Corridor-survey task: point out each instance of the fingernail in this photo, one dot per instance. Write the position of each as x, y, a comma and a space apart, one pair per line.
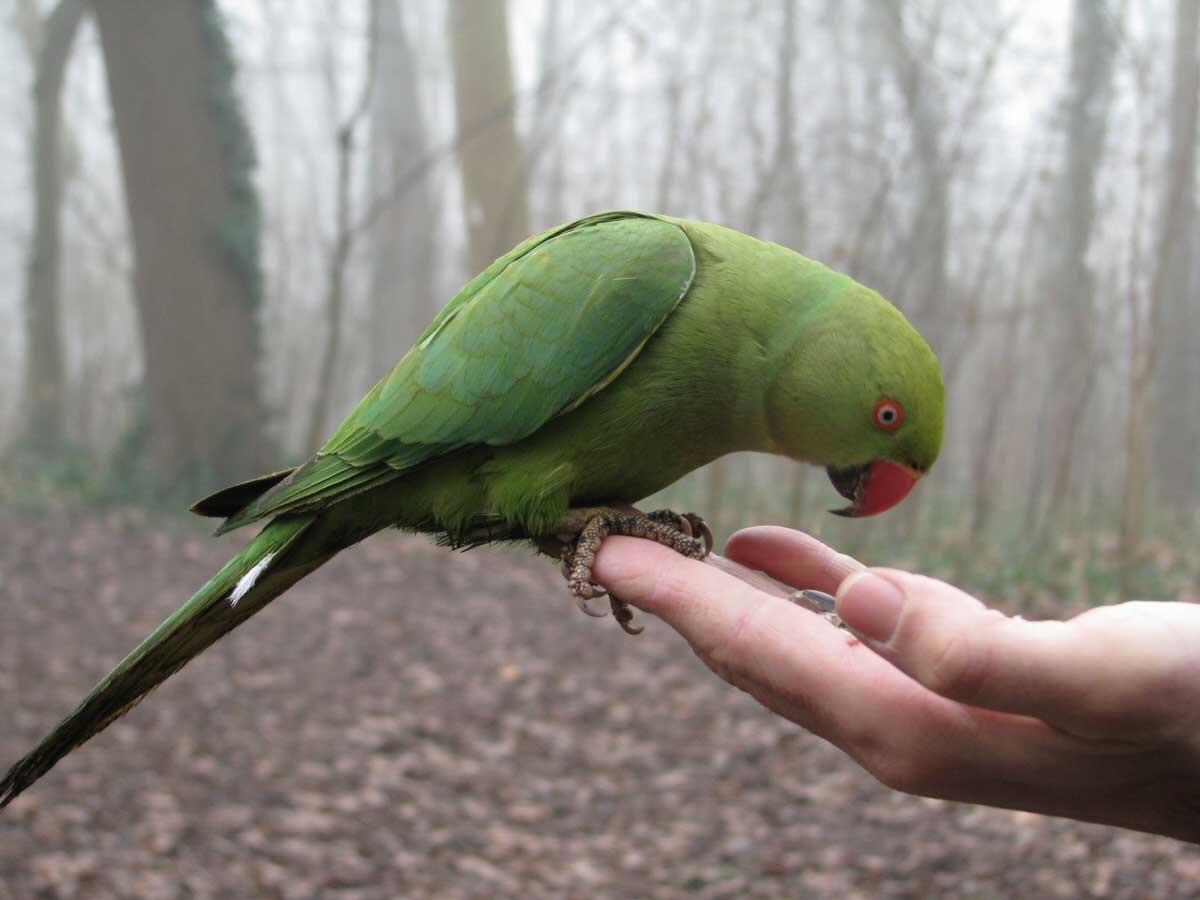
870, 606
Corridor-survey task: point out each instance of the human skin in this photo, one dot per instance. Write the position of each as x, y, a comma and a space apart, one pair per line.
1095, 718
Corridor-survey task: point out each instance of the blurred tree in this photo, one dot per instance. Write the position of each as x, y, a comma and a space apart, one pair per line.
346, 231
1067, 290
920, 287
49, 44
664, 192
1175, 361
402, 251
494, 193
1163, 318
550, 116
186, 161
778, 206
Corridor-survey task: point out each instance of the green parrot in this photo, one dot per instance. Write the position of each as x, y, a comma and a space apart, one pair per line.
589, 367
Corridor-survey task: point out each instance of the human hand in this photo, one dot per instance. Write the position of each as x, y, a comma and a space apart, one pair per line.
1096, 718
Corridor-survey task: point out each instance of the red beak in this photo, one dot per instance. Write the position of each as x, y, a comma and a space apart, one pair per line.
872, 488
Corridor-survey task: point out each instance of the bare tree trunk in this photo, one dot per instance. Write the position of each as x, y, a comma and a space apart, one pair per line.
670, 160
1161, 345
1002, 376
1068, 306
1141, 316
778, 200
45, 368
401, 245
344, 232
186, 159
920, 287
494, 195
553, 181
1175, 362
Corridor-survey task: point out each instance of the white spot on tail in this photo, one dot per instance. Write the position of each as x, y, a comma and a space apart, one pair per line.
246, 582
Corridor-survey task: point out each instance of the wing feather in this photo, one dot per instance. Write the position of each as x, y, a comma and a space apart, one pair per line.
533, 336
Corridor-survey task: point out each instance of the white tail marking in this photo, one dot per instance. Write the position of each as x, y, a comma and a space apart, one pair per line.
246, 582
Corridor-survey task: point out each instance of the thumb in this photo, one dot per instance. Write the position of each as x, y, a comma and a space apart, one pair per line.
955, 646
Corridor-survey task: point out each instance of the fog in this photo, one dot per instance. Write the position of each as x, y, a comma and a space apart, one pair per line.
1018, 178
222, 222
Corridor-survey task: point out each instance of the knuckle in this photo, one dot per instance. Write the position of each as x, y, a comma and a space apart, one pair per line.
898, 770
837, 566
886, 751
955, 667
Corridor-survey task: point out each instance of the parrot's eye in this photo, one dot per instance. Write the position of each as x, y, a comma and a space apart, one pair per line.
889, 414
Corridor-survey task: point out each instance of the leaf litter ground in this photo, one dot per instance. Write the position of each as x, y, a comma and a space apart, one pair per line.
411, 722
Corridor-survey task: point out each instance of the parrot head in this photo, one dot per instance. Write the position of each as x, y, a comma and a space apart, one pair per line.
860, 392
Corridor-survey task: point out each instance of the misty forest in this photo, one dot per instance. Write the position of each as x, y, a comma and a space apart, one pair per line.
223, 222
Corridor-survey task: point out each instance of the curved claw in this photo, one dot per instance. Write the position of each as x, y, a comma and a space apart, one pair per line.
624, 616
630, 629
705, 532
582, 603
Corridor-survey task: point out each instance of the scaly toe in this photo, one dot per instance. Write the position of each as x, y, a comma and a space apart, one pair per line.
688, 534
672, 519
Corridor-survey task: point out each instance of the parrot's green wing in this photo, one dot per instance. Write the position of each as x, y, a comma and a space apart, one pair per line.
537, 333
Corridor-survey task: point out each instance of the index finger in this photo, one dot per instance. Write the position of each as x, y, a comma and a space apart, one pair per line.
793, 557
754, 639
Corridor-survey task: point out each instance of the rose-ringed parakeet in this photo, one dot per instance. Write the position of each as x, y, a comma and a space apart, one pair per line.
586, 369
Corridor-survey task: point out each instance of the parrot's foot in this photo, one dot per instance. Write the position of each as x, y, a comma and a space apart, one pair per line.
675, 530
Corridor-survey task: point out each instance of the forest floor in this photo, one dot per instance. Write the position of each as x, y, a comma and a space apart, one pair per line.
411, 722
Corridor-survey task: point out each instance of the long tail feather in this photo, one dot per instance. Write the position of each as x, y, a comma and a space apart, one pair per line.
260, 572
